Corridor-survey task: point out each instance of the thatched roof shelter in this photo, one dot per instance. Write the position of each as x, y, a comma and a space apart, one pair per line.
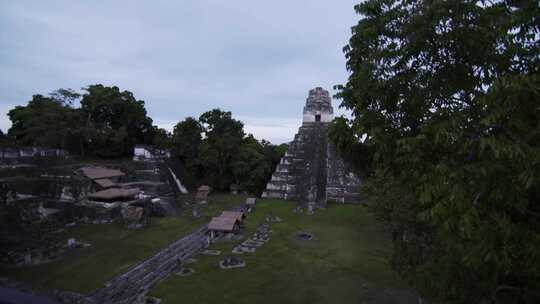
114, 194
224, 224
105, 183
101, 172
240, 216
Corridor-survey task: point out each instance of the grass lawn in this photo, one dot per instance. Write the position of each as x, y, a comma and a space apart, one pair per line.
114, 249
349, 250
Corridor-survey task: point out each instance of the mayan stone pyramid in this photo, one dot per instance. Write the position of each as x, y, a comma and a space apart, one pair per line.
311, 172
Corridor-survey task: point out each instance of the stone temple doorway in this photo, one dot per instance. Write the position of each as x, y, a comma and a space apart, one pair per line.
318, 117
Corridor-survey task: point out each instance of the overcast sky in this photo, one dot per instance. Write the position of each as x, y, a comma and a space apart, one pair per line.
255, 58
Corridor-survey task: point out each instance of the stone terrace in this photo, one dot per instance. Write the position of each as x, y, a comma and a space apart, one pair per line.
131, 286
312, 171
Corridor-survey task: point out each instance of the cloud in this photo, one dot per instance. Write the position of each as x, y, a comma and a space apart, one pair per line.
257, 59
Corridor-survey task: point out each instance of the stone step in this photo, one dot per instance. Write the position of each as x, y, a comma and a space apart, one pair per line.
310, 163
137, 280
274, 194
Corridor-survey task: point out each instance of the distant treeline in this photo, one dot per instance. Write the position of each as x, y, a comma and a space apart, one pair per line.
106, 122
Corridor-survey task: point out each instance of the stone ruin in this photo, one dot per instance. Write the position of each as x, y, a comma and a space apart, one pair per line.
232, 262
150, 153
12, 154
134, 284
40, 201
312, 172
304, 236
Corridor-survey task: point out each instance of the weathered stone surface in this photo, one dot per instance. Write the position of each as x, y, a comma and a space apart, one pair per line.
318, 106
311, 171
211, 252
243, 249
304, 236
252, 243
185, 272
133, 284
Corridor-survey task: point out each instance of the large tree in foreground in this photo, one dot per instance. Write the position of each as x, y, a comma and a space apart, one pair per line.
445, 97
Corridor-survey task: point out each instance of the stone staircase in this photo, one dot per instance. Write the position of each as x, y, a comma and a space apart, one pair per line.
131, 286
312, 172
341, 185
302, 170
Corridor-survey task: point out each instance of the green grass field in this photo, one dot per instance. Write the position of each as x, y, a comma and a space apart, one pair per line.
350, 250
114, 249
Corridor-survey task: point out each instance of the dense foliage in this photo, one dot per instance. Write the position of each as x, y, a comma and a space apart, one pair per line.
215, 150
108, 122
114, 121
187, 140
45, 121
446, 124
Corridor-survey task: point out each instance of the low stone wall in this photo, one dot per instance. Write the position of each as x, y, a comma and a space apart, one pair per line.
131, 286
9, 153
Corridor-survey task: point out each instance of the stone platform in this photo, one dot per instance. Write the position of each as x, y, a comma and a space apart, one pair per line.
132, 286
311, 170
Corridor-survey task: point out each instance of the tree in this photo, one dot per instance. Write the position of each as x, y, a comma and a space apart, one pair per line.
108, 123
186, 145
43, 122
3, 137
66, 97
224, 155
114, 121
187, 139
224, 136
273, 153
4, 140
444, 96
162, 138
250, 166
